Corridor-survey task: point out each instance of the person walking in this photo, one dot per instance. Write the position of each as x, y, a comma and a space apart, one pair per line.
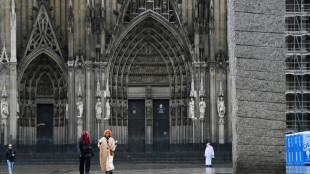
209, 154
107, 146
10, 157
85, 152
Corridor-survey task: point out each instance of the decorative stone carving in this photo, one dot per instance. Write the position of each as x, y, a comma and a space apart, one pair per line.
192, 109
43, 34
108, 110
202, 109
98, 109
4, 108
142, 3
80, 107
221, 109
4, 56
134, 6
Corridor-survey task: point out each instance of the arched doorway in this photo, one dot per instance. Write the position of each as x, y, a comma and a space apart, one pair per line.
149, 62
43, 97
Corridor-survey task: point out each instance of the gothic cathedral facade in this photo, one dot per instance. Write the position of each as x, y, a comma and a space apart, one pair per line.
155, 72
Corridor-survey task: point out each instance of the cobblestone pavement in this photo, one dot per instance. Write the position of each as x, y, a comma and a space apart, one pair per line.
138, 169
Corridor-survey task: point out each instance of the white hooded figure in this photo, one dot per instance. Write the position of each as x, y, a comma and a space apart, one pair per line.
108, 109
209, 154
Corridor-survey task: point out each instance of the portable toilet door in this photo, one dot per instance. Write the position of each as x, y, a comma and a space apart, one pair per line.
295, 149
292, 149
287, 147
306, 148
288, 150
299, 148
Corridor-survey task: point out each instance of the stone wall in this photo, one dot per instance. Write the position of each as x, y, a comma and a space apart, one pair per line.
257, 63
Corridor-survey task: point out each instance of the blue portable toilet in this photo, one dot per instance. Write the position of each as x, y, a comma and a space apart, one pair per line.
295, 149
305, 149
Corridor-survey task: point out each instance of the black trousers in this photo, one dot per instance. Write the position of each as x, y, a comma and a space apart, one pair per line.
86, 161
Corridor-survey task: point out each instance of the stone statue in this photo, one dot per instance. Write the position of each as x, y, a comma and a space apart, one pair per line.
142, 3
67, 110
80, 107
4, 108
221, 109
108, 110
192, 109
134, 6
98, 109
165, 6
157, 2
17, 110
202, 108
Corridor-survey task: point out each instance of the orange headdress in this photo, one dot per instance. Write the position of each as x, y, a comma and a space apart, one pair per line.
106, 131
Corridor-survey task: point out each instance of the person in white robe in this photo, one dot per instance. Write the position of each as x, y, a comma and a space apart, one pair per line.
209, 154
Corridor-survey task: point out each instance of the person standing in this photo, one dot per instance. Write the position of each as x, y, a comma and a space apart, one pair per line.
85, 152
10, 157
209, 154
107, 146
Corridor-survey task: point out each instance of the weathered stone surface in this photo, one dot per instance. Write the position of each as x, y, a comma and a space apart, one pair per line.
257, 66
274, 40
261, 65
262, 105
259, 123
256, 52
260, 85
260, 6
251, 95
259, 22
277, 77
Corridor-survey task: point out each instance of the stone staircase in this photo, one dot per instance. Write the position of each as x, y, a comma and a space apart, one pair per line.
223, 154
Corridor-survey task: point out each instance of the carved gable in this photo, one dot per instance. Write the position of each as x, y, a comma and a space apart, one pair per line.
43, 34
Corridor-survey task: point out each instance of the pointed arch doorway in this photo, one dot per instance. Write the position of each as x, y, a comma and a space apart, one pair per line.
42, 96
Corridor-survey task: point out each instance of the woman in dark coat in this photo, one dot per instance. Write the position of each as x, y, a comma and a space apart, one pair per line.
85, 152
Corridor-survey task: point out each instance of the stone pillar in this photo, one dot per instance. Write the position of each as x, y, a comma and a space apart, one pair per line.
89, 98
229, 124
13, 78
13, 102
149, 119
213, 113
71, 103
258, 85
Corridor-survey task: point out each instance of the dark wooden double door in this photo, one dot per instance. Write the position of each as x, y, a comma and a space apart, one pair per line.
136, 125
44, 128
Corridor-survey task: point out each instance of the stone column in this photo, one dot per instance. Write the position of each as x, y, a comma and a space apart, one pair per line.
4, 113
149, 119
89, 98
213, 113
13, 77
13, 102
71, 103
258, 85
229, 124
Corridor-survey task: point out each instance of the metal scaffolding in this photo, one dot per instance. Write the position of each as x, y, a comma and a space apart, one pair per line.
297, 65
